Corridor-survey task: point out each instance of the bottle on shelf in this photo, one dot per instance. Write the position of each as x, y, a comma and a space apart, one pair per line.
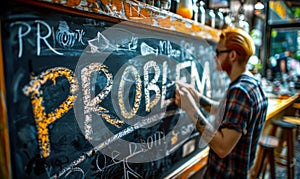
201, 12
219, 20
165, 4
212, 18
242, 23
196, 11
228, 20
185, 9
157, 3
150, 2
174, 6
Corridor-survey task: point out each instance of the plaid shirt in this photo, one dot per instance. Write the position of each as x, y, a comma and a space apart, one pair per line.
245, 111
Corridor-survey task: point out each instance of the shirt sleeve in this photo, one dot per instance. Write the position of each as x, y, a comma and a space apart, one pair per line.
237, 110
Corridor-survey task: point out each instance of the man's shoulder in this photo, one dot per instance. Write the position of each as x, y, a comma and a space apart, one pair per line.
245, 82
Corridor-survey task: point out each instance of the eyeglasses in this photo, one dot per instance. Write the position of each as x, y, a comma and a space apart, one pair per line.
222, 51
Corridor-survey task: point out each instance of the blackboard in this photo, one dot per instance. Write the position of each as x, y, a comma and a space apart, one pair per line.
92, 98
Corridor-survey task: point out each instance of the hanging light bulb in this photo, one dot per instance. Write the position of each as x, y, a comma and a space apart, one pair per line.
259, 5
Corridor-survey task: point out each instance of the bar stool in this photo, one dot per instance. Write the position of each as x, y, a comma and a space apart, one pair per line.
296, 121
267, 144
289, 137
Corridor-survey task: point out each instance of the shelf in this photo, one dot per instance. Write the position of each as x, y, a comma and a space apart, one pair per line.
135, 11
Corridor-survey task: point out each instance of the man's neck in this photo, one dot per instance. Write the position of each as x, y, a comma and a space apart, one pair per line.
237, 72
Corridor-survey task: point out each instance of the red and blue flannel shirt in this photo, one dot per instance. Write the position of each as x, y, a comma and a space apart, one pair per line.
245, 111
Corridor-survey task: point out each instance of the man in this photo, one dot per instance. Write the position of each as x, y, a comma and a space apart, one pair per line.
234, 141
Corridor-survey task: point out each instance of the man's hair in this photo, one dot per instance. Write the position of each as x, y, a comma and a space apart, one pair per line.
238, 40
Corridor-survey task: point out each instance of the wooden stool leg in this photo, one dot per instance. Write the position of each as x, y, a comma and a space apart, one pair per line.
258, 162
289, 137
273, 130
298, 133
282, 139
267, 144
272, 164
290, 154
263, 164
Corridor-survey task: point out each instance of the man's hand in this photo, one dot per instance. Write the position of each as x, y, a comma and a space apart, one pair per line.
180, 85
205, 102
185, 100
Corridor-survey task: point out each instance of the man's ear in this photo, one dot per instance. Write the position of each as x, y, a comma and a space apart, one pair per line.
233, 55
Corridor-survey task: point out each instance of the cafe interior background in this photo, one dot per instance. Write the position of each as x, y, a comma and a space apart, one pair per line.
274, 26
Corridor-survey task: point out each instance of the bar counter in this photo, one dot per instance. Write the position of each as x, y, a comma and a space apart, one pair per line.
277, 108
